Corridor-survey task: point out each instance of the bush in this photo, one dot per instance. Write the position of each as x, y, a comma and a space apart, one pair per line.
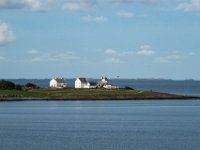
128, 88
6, 85
31, 85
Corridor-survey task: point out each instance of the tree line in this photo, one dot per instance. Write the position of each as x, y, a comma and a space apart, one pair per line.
8, 85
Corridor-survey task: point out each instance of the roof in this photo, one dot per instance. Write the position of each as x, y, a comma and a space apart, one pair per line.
60, 80
83, 80
104, 78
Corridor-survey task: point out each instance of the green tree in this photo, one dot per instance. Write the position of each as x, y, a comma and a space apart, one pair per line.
6, 85
30, 85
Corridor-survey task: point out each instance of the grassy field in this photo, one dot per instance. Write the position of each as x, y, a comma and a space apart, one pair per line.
84, 94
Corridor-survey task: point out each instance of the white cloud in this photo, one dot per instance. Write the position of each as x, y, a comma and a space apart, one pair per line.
145, 47
2, 58
192, 53
78, 5
100, 19
54, 57
123, 1
89, 18
37, 5
10, 4
34, 5
135, 1
6, 34
43, 5
193, 5
145, 50
125, 14
33, 52
113, 60
110, 52
114, 56
169, 58
68, 5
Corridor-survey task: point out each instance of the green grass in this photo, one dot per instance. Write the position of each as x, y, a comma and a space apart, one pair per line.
85, 94
82, 94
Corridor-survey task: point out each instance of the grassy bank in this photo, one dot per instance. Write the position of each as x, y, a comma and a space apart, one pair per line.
84, 94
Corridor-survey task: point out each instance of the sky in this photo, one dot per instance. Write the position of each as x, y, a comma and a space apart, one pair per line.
95, 38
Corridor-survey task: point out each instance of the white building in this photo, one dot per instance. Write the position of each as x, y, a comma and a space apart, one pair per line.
104, 80
82, 83
104, 83
58, 83
109, 86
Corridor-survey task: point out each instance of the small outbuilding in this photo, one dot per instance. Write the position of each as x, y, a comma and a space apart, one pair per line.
58, 83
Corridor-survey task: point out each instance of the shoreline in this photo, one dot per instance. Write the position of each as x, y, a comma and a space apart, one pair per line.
10, 99
87, 94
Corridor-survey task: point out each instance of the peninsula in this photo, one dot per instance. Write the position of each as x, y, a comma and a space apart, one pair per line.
86, 94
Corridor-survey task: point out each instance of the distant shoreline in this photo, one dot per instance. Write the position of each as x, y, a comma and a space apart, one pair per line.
96, 99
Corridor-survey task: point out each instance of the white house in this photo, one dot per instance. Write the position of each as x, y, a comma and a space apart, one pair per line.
58, 83
82, 83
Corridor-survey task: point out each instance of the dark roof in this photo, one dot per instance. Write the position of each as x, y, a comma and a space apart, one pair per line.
83, 80
60, 80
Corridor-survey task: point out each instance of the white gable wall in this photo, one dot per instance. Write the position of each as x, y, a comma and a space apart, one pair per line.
53, 83
79, 84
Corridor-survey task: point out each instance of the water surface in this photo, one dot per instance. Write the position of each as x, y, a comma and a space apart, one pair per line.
100, 125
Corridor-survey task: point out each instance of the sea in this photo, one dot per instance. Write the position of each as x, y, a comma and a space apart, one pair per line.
105, 125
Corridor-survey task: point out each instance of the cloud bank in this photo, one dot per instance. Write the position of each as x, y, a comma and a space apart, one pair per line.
44, 5
78, 5
34, 5
83, 5
193, 5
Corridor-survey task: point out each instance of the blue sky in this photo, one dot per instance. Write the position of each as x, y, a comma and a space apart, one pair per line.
94, 38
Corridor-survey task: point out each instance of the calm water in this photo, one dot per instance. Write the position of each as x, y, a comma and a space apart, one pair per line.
100, 125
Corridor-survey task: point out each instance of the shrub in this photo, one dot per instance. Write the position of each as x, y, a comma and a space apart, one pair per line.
31, 85
128, 88
6, 85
